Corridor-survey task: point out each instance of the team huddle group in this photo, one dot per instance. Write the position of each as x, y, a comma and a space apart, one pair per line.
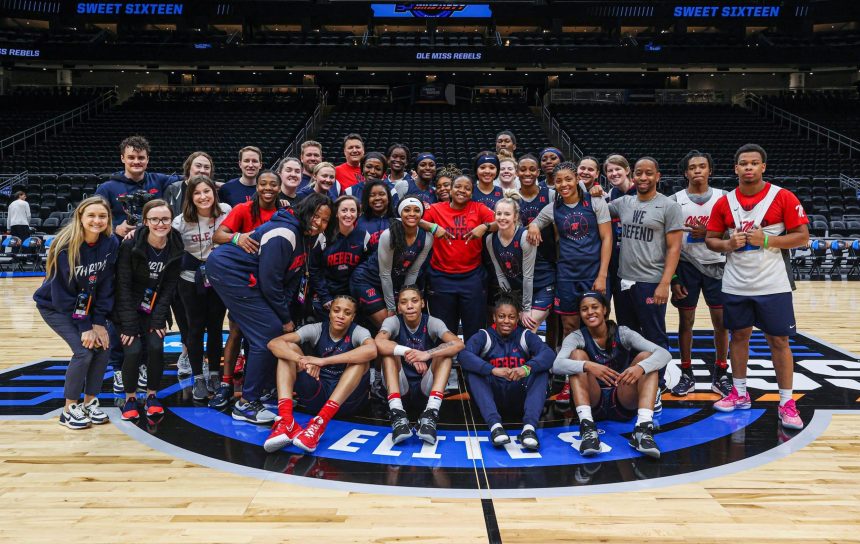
342, 279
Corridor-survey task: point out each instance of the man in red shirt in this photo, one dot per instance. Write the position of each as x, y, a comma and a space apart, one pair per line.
349, 173
761, 220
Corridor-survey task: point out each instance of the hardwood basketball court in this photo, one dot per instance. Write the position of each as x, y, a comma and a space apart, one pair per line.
107, 484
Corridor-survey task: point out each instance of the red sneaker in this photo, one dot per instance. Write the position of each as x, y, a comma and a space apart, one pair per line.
282, 434
309, 439
563, 396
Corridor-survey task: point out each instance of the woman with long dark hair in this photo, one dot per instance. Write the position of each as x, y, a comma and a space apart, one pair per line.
377, 210
202, 214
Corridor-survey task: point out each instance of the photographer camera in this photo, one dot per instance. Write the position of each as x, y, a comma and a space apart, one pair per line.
120, 188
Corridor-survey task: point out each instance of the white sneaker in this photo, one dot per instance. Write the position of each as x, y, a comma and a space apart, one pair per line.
183, 365
141, 378
94, 411
75, 417
117, 382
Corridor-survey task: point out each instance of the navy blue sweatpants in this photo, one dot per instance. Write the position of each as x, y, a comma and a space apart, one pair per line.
259, 325
456, 298
526, 396
636, 310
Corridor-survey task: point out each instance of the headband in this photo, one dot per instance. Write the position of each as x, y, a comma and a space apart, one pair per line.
422, 156
484, 159
592, 294
410, 201
552, 150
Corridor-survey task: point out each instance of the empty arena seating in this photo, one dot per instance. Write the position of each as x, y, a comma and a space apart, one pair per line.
25, 107
455, 134
839, 111
668, 131
175, 127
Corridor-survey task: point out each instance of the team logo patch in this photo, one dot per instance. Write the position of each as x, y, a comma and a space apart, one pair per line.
357, 453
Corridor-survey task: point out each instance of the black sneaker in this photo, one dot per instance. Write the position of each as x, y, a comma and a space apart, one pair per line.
499, 437
589, 439
642, 440
400, 428
721, 384
529, 439
686, 384
223, 396
427, 425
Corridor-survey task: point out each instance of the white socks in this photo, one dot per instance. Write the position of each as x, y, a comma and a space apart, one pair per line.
784, 396
584, 412
644, 415
740, 385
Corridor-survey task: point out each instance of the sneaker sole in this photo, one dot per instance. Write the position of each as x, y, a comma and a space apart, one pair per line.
401, 438
100, 421
219, 405
135, 418
427, 438
652, 453
240, 417
589, 452
683, 393
302, 447
792, 426
534, 447
73, 426
733, 408
500, 444
277, 443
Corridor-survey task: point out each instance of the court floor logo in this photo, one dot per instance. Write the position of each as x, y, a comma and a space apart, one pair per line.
358, 454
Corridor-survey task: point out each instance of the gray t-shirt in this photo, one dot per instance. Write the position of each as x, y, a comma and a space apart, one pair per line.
310, 334
436, 328
644, 226
631, 340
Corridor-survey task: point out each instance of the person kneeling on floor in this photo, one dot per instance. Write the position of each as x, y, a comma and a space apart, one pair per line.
333, 378
508, 366
613, 373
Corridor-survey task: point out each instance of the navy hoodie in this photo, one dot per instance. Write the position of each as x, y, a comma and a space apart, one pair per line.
119, 185
331, 263
94, 274
487, 349
275, 269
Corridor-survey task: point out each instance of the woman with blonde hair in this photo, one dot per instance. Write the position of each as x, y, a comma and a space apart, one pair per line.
75, 300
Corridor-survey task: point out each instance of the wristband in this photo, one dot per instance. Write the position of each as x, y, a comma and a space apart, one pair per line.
400, 351
765, 241
235, 239
434, 228
528, 370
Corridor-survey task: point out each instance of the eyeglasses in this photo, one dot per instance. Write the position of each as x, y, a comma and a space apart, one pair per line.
159, 220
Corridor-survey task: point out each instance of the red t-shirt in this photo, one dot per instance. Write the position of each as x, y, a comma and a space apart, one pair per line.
347, 175
784, 209
457, 256
240, 220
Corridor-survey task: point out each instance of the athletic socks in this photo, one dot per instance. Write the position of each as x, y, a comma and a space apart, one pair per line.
584, 412
285, 409
740, 384
722, 365
644, 415
394, 402
687, 367
435, 400
784, 396
227, 379
329, 410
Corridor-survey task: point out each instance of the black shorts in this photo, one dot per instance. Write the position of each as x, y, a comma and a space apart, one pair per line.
609, 408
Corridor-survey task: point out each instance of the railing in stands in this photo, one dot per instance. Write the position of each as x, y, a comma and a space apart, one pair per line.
8, 181
42, 131
306, 133
801, 126
848, 181
557, 134
630, 96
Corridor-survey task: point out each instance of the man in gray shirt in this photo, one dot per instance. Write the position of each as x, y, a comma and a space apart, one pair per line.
651, 230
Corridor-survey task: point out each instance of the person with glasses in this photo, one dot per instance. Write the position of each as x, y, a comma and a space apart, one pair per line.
148, 266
